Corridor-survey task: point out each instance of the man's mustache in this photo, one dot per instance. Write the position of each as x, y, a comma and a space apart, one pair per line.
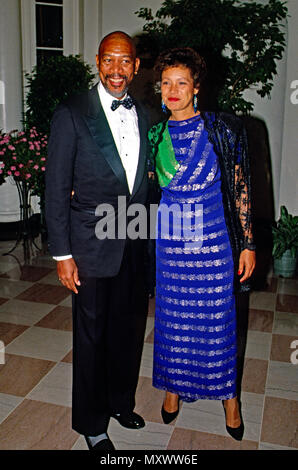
124, 77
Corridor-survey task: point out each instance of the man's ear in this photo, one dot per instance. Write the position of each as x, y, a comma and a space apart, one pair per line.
97, 61
137, 65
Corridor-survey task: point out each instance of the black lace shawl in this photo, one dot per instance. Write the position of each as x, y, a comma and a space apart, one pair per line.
228, 136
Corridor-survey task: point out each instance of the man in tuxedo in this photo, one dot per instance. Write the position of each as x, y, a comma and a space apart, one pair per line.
97, 156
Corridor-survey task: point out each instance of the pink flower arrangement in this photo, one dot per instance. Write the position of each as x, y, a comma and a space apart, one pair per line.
23, 156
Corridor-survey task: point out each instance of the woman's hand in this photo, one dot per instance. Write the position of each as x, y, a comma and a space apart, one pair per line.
247, 263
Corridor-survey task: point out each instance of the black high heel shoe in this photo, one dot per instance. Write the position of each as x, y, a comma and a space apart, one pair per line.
169, 417
236, 433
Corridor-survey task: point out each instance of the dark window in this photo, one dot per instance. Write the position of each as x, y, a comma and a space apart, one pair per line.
49, 29
43, 55
49, 26
57, 2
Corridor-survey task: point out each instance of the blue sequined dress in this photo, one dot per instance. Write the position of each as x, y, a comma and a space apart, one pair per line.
195, 323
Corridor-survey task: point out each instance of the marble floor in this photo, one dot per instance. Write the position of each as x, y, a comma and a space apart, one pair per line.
36, 367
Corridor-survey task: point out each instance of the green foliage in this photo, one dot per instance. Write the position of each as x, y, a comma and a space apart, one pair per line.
285, 234
49, 84
241, 42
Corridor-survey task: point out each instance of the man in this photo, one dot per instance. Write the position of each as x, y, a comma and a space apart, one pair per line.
97, 153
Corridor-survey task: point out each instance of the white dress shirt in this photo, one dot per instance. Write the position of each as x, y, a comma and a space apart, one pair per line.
125, 130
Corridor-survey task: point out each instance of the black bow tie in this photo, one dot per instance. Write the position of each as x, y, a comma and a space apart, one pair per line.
127, 103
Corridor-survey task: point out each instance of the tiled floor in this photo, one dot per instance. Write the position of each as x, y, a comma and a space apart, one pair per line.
35, 375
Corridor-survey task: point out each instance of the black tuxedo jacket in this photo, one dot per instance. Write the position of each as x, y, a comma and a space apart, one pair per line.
83, 157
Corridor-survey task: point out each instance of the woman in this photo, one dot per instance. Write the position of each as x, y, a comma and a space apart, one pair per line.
204, 243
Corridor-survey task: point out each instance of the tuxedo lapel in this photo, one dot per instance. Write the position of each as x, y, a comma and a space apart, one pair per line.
142, 153
100, 130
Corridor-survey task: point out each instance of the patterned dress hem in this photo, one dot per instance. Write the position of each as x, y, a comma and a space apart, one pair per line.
194, 397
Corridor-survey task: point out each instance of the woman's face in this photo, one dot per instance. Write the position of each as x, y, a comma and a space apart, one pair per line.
177, 91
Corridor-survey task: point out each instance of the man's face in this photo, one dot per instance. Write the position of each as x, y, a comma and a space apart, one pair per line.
116, 63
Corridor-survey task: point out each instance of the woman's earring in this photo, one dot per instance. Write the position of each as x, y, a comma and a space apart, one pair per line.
195, 103
163, 106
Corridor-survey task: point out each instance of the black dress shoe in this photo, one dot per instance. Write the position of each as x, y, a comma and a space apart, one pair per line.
169, 417
129, 420
105, 445
236, 433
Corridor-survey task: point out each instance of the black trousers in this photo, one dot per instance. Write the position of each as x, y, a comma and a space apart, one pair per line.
109, 319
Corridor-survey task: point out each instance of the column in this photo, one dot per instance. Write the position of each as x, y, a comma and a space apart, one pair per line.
92, 30
11, 105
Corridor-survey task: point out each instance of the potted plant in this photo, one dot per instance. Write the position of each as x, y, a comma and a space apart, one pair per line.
49, 84
285, 244
23, 156
22, 161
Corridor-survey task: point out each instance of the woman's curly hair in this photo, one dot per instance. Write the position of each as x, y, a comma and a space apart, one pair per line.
185, 56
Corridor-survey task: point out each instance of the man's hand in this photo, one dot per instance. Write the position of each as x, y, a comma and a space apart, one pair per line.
247, 263
68, 274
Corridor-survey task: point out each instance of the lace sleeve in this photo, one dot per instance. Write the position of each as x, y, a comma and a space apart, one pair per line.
243, 190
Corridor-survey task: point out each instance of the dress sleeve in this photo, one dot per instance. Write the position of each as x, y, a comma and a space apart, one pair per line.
243, 190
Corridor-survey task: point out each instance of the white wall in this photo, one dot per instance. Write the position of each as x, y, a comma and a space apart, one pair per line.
288, 194
11, 63
119, 15
271, 112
